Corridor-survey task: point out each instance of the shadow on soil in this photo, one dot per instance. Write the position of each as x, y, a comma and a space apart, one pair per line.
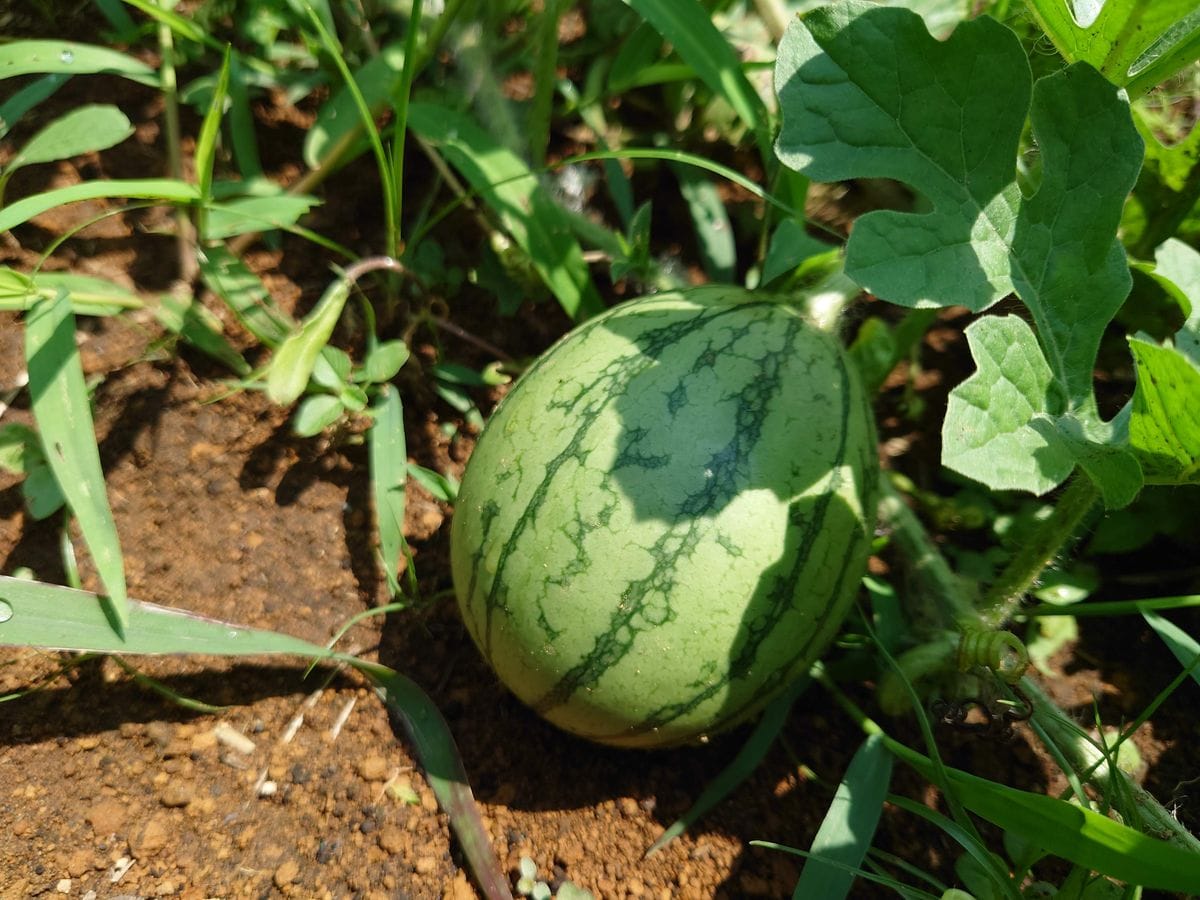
69, 712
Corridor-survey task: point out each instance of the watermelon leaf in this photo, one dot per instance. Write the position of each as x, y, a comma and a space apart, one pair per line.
865, 91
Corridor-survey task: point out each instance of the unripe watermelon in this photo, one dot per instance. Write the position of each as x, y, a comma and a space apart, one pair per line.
666, 519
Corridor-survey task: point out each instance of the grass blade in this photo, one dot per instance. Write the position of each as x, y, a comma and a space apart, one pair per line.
244, 293
742, 766
525, 209
163, 190
689, 28
435, 748
82, 130
197, 326
714, 232
89, 296
389, 456
848, 828
64, 418
1078, 835
26, 99
1182, 644
58, 618
206, 143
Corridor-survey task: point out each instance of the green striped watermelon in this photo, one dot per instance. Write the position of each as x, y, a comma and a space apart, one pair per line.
667, 517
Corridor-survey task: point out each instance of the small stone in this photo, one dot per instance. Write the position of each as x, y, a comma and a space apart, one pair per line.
629, 807
88, 742
230, 737
286, 874
106, 817
177, 794
64, 886
391, 839
373, 768
268, 789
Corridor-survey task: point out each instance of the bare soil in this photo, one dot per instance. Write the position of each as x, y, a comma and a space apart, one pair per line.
108, 789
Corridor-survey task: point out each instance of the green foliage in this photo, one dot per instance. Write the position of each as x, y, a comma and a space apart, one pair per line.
1020, 174
866, 91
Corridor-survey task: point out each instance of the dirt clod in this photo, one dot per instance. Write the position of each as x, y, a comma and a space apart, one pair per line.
286, 874
107, 817
177, 794
373, 768
152, 837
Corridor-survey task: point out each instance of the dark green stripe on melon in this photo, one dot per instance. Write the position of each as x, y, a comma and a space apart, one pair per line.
664, 521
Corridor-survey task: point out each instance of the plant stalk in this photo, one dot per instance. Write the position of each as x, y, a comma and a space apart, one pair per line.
188, 265
1086, 759
939, 601
938, 597
1005, 595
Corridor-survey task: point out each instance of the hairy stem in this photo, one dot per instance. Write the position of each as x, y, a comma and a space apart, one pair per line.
1005, 596
939, 601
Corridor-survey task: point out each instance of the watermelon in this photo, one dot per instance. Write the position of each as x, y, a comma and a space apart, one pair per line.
666, 519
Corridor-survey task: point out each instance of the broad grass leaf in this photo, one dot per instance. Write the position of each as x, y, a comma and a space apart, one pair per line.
689, 28
389, 469
338, 118
63, 414
82, 130
846, 832
29, 96
89, 296
244, 293
252, 214
163, 190
714, 231
58, 618
1075, 834
1182, 645
200, 328
70, 58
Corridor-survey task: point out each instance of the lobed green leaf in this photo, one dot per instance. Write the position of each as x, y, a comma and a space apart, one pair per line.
865, 91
